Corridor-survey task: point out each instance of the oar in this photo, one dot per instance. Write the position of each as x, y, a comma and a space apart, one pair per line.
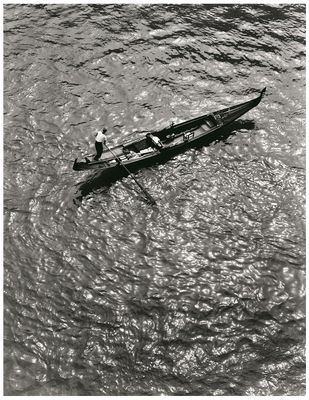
148, 195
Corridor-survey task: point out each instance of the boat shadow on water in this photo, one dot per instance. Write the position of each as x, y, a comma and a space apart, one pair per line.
102, 181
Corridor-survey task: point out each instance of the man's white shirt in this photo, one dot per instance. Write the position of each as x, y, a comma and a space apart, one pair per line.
100, 137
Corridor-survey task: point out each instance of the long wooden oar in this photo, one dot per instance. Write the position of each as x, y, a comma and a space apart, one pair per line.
148, 195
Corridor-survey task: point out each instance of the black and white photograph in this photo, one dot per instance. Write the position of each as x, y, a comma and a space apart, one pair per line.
154, 176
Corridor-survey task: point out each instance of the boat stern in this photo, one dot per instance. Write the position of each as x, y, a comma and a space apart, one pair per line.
77, 165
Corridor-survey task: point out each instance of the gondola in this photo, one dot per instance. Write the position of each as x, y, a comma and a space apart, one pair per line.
165, 143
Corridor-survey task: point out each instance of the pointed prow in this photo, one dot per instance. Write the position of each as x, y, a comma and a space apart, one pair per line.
258, 99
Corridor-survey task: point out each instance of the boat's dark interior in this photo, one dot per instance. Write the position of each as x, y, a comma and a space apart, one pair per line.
136, 147
168, 135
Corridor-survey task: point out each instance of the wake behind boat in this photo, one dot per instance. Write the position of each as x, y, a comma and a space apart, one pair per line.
167, 142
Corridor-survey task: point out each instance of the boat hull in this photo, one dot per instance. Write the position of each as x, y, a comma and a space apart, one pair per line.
174, 140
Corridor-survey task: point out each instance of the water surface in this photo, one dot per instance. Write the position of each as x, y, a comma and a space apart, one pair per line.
105, 295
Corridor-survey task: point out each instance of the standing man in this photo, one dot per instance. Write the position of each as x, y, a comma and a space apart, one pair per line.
100, 139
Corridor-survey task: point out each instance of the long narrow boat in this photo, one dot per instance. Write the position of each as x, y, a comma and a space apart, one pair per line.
162, 144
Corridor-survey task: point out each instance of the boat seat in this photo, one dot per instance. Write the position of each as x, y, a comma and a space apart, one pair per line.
211, 121
147, 151
187, 136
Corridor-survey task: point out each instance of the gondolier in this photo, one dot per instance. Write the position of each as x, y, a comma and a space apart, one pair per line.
100, 139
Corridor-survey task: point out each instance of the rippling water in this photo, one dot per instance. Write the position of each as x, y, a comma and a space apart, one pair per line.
203, 295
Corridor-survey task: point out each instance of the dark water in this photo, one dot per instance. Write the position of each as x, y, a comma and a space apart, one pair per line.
203, 295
